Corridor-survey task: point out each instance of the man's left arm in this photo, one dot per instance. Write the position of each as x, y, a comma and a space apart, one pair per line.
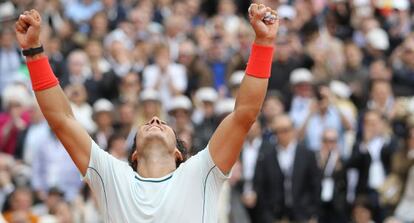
227, 140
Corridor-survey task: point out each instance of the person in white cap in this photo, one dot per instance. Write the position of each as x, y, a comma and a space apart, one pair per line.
204, 128
301, 82
159, 185
103, 117
180, 112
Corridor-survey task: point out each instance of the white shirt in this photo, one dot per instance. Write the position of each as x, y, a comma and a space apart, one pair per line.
286, 157
189, 194
249, 155
175, 72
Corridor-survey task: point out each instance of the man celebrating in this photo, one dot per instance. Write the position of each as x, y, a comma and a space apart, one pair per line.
157, 188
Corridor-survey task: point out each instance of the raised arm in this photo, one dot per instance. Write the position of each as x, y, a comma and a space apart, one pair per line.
226, 142
52, 101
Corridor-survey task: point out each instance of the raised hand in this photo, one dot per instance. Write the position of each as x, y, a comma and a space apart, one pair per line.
265, 23
28, 29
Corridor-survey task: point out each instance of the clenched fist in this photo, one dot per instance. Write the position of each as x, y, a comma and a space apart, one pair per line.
265, 23
28, 29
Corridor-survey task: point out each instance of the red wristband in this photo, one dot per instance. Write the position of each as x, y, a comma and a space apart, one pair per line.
41, 74
260, 61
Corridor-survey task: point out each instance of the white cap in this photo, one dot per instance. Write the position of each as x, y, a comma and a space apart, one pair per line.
16, 93
286, 12
7, 10
236, 78
149, 95
208, 94
180, 102
103, 105
340, 89
378, 39
301, 75
401, 5
225, 106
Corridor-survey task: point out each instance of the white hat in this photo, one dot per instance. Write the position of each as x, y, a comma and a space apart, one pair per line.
7, 10
208, 94
236, 78
149, 95
286, 12
340, 89
401, 5
180, 102
16, 93
103, 105
301, 75
378, 39
225, 106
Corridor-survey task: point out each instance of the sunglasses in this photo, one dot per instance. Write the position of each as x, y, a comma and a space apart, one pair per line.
330, 140
282, 130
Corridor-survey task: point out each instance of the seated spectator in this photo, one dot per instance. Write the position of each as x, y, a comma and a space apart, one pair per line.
82, 10
10, 59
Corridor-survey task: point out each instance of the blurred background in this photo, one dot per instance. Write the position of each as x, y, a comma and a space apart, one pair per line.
334, 141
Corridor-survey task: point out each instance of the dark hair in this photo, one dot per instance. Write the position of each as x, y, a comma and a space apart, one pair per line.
180, 146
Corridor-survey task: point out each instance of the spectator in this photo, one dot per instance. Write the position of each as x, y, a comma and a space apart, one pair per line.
180, 113
82, 10
103, 117
204, 116
10, 59
165, 76
6, 184
15, 118
52, 167
323, 115
371, 156
198, 73
81, 109
21, 201
150, 106
301, 81
288, 187
250, 152
272, 107
333, 185
129, 88
117, 147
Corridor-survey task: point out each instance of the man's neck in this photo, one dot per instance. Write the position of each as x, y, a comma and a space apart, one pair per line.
155, 163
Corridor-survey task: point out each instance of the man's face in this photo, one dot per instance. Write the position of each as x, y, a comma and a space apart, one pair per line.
283, 128
155, 131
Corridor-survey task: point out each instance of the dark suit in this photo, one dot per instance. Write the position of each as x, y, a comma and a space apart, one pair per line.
269, 185
335, 209
361, 160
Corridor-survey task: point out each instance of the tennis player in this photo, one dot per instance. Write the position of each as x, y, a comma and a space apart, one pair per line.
161, 187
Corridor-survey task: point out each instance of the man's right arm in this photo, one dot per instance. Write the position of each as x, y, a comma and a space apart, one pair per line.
52, 101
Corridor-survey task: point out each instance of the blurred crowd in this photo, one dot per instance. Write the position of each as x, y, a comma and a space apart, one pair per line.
334, 141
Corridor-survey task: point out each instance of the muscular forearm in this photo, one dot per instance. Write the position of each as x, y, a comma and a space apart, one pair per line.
54, 106
250, 98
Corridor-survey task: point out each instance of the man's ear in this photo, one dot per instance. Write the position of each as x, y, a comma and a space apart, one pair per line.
178, 155
134, 156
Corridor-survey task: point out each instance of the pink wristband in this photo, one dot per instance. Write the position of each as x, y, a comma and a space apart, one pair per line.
260, 61
41, 74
